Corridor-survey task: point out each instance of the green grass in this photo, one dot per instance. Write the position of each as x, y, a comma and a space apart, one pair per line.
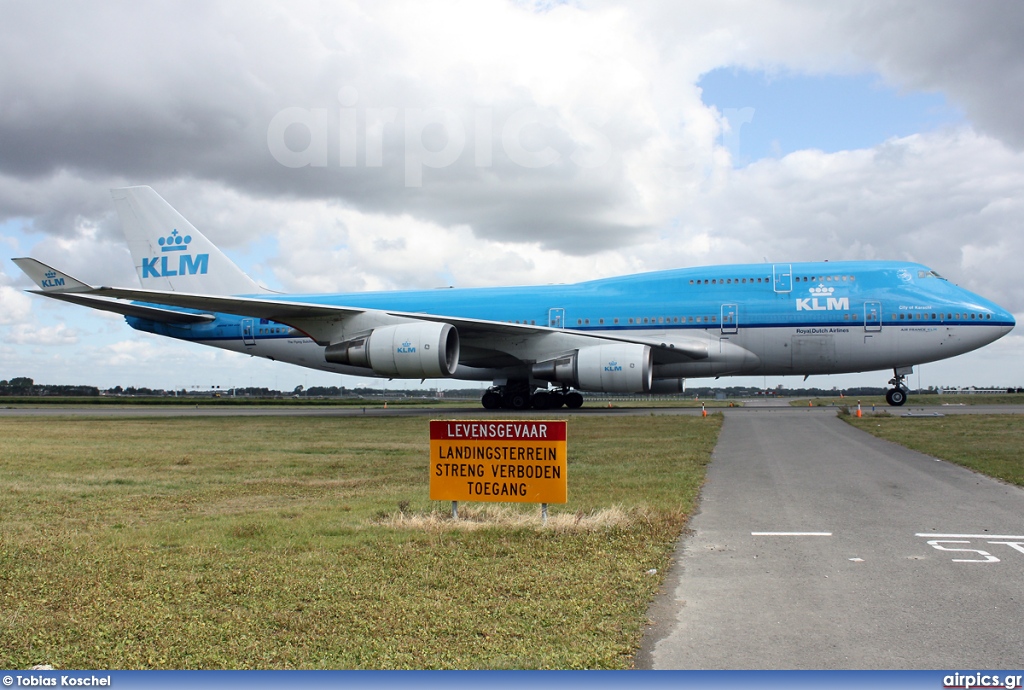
916, 400
14, 402
282, 543
989, 444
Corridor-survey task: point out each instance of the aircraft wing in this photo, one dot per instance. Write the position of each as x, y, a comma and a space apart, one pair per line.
484, 340
665, 351
319, 321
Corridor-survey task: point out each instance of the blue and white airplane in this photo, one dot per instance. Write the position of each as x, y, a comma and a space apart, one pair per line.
539, 346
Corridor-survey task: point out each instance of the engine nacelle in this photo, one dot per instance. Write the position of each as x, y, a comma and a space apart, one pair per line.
409, 350
667, 386
612, 368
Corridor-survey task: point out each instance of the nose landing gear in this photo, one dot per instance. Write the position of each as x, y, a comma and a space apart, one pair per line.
897, 395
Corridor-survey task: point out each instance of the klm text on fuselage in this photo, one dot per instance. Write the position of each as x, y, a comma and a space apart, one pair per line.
812, 304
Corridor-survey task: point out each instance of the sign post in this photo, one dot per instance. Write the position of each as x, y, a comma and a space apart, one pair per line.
498, 461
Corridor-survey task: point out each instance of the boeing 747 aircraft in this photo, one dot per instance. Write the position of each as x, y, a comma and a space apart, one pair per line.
540, 345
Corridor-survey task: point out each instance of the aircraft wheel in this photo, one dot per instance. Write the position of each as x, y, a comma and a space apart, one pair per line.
542, 401
518, 401
491, 401
896, 397
574, 400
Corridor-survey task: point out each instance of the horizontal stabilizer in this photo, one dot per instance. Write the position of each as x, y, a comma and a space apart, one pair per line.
277, 310
129, 309
49, 279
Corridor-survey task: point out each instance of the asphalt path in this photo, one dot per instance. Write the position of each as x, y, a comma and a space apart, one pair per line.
819, 546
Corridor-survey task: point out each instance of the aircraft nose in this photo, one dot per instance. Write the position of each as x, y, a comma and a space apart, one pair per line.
1006, 320
1010, 322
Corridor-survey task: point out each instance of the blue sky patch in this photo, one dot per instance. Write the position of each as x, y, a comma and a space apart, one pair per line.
774, 115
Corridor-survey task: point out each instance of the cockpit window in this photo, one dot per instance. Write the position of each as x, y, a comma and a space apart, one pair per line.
929, 274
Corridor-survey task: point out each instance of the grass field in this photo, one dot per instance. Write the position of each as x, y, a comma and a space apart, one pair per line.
989, 444
916, 400
311, 543
14, 402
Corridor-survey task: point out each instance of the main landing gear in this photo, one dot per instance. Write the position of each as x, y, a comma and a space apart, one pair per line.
520, 395
897, 395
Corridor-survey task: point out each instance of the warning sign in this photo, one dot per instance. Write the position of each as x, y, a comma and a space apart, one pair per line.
514, 461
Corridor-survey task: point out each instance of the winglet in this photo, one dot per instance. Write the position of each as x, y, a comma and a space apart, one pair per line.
50, 279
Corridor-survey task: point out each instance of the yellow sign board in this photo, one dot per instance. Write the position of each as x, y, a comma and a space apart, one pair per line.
505, 461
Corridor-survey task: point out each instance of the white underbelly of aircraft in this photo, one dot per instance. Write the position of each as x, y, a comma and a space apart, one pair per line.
833, 350
751, 351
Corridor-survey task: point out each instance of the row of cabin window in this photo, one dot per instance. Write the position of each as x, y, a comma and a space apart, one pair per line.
714, 319
638, 320
743, 281
824, 279
936, 317
655, 320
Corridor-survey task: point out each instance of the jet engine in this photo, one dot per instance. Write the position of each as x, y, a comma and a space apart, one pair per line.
612, 368
667, 386
409, 350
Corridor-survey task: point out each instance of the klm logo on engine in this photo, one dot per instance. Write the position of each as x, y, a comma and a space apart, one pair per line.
613, 366
52, 281
407, 348
164, 266
821, 299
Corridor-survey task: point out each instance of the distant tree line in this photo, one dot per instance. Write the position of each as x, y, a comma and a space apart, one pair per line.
25, 386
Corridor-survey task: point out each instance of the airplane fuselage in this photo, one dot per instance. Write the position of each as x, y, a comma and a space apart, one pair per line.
805, 318
540, 346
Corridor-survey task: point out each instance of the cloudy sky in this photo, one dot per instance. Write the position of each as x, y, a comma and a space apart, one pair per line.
378, 145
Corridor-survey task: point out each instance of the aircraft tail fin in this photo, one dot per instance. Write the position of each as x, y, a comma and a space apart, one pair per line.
169, 253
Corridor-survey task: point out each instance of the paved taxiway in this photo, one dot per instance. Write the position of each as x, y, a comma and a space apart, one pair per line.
819, 546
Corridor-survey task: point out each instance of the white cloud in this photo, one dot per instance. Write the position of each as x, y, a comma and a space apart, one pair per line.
59, 335
101, 96
15, 306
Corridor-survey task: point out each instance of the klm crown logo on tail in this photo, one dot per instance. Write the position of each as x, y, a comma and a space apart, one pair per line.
827, 303
51, 280
164, 267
